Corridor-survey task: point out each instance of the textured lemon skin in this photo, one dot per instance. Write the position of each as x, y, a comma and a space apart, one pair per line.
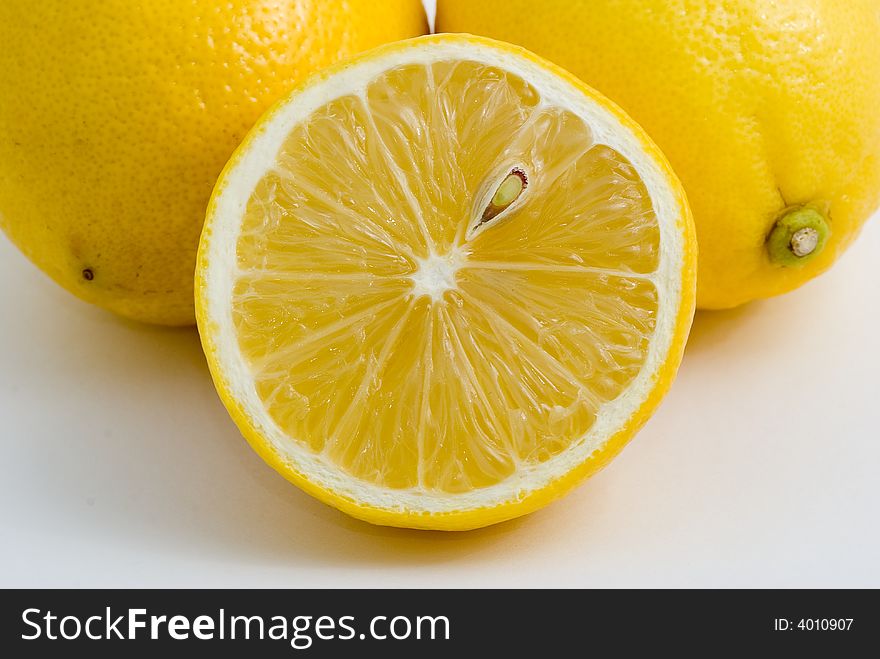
116, 116
472, 518
758, 105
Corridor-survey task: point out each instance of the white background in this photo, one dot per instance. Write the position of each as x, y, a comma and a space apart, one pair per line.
120, 467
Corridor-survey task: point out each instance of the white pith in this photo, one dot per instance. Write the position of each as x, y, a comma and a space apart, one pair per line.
436, 274
219, 251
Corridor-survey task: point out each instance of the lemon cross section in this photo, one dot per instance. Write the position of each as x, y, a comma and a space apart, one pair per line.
438, 281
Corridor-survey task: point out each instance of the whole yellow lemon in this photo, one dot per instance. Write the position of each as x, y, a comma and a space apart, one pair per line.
117, 116
769, 112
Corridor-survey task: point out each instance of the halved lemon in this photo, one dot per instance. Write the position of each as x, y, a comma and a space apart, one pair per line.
442, 283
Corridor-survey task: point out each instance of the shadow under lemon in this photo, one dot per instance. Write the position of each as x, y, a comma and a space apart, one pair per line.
711, 328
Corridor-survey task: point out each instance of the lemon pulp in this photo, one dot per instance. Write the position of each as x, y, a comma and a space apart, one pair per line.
390, 332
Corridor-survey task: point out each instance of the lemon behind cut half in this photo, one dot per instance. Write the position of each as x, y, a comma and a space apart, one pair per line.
442, 283
769, 111
116, 117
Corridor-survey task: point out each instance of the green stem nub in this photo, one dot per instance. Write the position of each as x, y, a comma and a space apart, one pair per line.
798, 237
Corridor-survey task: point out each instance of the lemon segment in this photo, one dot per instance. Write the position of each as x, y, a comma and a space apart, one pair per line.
397, 348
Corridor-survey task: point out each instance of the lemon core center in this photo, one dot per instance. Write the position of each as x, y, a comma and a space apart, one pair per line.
436, 274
